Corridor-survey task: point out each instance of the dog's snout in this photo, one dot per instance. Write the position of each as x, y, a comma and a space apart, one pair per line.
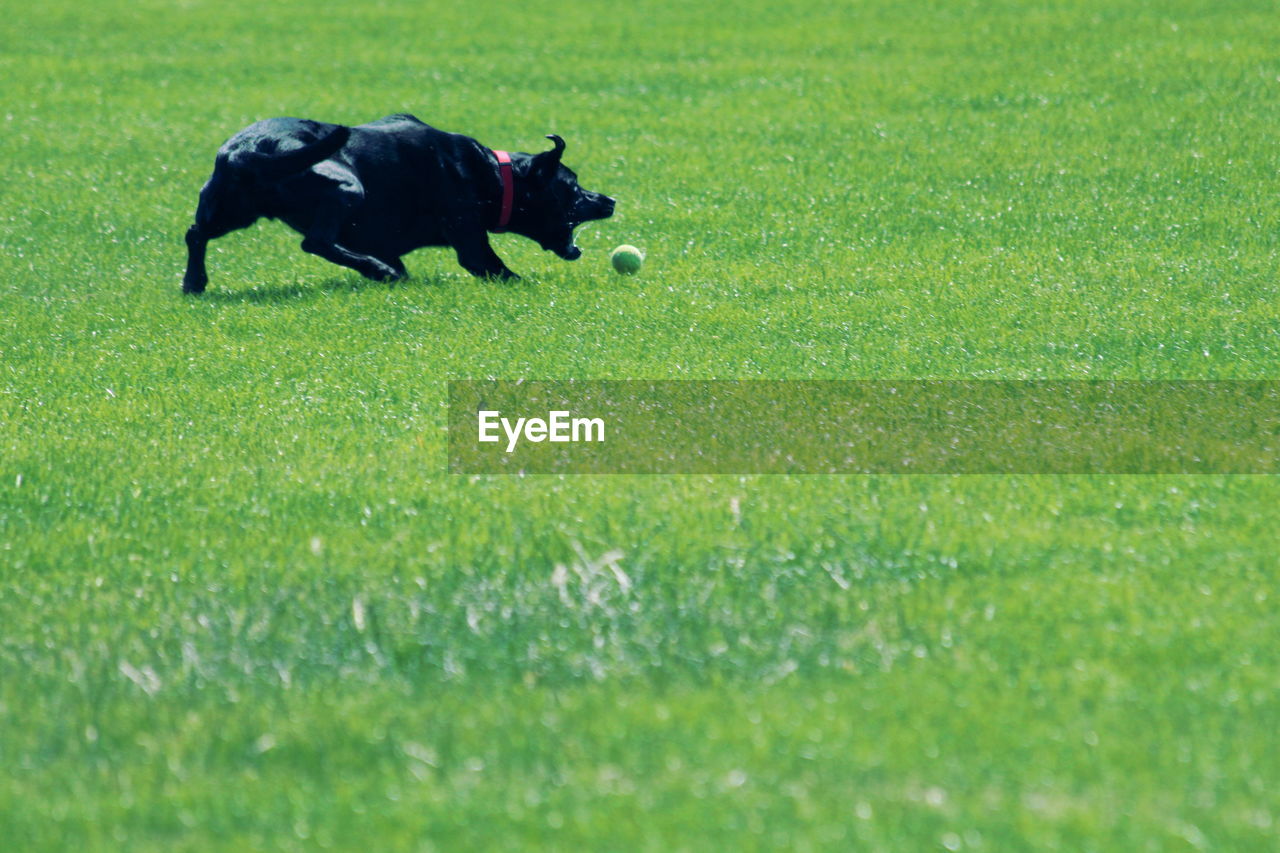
593, 206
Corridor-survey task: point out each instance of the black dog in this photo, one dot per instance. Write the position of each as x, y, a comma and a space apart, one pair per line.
363, 196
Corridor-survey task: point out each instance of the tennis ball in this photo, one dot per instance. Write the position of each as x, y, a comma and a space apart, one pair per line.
627, 259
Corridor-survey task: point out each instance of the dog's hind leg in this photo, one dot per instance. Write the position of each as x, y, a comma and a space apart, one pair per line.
396, 265
336, 198
196, 278
222, 209
321, 240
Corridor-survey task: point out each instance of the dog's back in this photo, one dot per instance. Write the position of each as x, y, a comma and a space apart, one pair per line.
275, 148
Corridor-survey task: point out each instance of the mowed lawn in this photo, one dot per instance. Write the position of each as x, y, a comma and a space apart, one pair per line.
243, 607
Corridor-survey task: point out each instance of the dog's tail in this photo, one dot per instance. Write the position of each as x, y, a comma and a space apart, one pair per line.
277, 166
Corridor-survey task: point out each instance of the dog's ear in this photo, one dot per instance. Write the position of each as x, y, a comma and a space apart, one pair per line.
545, 164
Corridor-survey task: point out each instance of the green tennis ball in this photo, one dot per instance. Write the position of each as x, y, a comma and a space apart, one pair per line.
627, 259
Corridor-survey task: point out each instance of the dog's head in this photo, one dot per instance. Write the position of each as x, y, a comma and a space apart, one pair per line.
549, 202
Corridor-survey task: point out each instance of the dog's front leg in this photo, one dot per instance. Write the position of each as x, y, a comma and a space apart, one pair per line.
478, 257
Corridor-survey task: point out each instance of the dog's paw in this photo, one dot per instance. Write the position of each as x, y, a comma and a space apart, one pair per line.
378, 271
194, 284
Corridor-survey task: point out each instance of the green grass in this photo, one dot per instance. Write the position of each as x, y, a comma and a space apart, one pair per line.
243, 607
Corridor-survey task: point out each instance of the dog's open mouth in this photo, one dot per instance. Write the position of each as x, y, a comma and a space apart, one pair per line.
564, 248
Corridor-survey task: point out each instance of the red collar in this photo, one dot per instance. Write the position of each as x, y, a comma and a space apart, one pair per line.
508, 189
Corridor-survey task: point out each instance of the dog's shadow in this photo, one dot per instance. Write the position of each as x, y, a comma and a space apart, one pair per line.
307, 291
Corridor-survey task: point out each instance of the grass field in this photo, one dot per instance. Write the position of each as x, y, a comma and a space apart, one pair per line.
243, 607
